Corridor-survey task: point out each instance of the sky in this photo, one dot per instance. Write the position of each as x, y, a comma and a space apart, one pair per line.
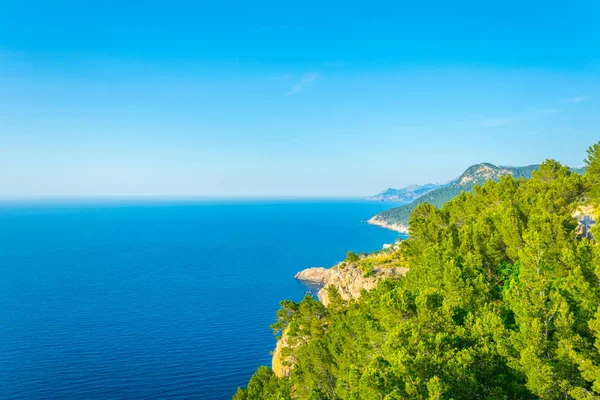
317, 99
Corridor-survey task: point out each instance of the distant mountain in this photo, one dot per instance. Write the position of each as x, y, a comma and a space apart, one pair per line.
580, 171
407, 194
397, 218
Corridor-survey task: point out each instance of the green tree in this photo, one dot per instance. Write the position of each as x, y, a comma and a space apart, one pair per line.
351, 257
592, 171
501, 301
264, 385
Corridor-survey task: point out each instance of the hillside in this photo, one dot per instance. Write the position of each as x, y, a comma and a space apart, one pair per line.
397, 218
499, 301
407, 194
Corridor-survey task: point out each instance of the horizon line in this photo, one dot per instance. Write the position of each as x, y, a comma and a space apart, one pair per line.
53, 198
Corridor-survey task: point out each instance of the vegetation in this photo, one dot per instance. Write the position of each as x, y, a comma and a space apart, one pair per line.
388, 257
592, 164
351, 257
407, 194
502, 301
473, 176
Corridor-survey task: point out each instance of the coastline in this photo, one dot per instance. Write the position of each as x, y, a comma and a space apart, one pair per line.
394, 227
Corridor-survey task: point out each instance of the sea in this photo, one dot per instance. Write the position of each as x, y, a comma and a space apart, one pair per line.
157, 299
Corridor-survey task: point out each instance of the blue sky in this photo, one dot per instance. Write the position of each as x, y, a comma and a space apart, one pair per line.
188, 98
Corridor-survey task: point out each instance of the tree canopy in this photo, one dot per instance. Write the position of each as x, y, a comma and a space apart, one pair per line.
502, 301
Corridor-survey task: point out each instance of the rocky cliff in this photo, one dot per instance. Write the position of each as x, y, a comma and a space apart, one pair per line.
376, 220
347, 278
281, 367
349, 281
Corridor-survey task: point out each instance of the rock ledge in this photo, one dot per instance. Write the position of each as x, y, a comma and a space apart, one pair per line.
347, 279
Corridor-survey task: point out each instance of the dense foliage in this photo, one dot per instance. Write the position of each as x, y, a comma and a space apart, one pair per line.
501, 302
473, 176
592, 165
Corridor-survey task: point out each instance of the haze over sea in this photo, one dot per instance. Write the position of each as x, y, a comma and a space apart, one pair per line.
154, 300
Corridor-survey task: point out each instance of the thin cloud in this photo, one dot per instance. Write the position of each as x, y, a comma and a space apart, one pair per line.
578, 99
308, 79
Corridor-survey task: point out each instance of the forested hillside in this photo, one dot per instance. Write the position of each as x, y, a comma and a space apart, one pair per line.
409, 193
502, 301
474, 175
397, 218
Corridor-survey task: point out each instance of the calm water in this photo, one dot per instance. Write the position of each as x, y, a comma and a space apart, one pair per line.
156, 300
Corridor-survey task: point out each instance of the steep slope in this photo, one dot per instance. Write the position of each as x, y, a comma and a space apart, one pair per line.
397, 218
500, 302
407, 194
348, 279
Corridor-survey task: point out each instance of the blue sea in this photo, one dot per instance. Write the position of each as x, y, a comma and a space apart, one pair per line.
124, 299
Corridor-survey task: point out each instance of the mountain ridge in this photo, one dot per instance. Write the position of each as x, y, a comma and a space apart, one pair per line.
397, 218
408, 193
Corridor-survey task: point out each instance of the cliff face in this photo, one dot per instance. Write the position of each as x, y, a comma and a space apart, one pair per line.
278, 364
347, 279
378, 221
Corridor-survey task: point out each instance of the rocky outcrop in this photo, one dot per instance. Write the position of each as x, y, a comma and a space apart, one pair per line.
280, 366
317, 276
388, 225
586, 221
347, 279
